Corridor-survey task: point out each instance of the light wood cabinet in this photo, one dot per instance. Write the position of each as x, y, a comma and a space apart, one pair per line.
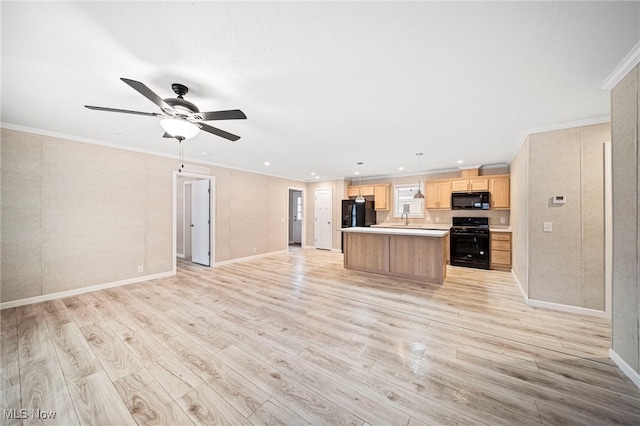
381, 197
501, 251
379, 192
500, 190
366, 190
467, 185
438, 195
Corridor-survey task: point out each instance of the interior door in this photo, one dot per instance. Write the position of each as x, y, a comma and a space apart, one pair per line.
297, 218
323, 220
200, 222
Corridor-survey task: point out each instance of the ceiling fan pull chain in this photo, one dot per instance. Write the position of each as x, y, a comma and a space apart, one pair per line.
180, 155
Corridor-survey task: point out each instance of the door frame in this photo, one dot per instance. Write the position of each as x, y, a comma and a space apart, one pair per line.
174, 214
304, 214
315, 216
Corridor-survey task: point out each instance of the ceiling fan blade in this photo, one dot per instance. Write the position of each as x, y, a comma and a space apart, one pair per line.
167, 135
233, 114
126, 111
218, 132
149, 94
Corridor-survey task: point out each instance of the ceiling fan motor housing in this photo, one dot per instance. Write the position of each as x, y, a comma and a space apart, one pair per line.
181, 106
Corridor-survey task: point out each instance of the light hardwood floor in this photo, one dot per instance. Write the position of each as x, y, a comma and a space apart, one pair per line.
296, 339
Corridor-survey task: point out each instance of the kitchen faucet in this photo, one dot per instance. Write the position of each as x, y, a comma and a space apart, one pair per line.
406, 222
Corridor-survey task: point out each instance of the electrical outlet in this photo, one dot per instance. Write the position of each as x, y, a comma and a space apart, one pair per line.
502, 220
140, 268
254, 249
437, 219
548, 227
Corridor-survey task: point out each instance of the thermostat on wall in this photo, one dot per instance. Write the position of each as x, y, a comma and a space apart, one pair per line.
558, 199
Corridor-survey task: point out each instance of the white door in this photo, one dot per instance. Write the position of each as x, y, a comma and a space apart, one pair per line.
323, 220
297, 218
200, 222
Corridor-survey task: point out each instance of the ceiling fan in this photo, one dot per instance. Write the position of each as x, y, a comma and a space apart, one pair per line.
179, 118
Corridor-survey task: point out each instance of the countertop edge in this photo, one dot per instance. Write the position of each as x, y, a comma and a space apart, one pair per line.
397, 231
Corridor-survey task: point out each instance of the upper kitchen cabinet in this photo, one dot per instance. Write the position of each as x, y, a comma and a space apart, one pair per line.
354, 191
438, 195
469, 185
381, 197
500, 190
380, 194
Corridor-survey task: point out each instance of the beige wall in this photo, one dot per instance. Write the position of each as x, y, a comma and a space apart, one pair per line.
520, 216
76, 215
625, 114
565, 266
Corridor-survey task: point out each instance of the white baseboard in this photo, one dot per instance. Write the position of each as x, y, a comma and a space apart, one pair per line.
567, 308
557, 306
77, 291
522, 292
626, 368
180, 255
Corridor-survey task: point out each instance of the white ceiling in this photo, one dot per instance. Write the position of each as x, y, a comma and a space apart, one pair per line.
324, 84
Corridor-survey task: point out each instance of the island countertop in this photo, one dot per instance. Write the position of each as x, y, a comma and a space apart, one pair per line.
416, 232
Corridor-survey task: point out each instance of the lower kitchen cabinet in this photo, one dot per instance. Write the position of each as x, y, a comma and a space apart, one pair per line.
501, 251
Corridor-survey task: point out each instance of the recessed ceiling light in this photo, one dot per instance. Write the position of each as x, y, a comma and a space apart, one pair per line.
266, 163
357, 173
313, 173
317, 177
204, 153
401, 168
460, 161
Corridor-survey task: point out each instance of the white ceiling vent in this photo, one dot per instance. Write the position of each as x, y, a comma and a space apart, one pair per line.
196, 169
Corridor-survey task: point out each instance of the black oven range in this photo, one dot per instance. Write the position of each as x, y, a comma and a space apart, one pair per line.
469, 242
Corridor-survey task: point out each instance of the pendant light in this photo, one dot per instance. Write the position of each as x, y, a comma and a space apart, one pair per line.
360, 198
419, 193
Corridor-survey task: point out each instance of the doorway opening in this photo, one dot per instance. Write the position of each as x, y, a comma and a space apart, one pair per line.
295, 215
193, 218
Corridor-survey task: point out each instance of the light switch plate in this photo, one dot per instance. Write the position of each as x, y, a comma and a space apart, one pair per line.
548, 226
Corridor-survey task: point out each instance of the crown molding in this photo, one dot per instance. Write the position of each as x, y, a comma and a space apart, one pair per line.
628, 63
553, 127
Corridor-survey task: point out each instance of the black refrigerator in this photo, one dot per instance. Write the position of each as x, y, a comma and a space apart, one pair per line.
358, 214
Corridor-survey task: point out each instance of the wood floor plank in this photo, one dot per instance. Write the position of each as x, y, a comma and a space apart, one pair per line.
236, 389
55, 312
9, 361
11, 406
148, 403
43, 388
97, 402
34, 341
272, 413
116, 359
205, 407
310, 405
372, 408
175, 377
74, 353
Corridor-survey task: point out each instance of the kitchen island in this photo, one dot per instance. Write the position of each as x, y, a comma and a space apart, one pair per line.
418, 254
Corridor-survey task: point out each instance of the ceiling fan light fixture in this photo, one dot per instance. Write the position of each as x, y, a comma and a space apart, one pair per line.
178, 127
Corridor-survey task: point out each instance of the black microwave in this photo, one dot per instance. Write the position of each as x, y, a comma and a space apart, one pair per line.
470, 200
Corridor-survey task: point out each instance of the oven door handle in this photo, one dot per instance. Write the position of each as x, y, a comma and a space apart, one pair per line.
470, 235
